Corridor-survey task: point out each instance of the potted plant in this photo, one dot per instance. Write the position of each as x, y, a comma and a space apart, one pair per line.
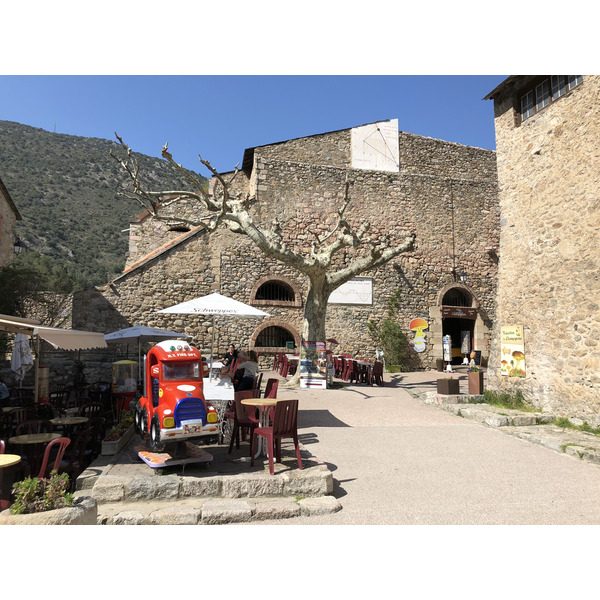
119, 435
475, 375
448, 386
48, 502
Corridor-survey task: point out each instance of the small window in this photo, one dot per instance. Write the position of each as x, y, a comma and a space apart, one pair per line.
273, 337
545, 92
276, 291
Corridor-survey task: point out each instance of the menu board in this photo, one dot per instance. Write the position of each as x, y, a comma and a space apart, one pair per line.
512, 351
313, 365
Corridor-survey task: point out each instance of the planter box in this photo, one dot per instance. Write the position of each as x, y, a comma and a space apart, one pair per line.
83, 512
476, 383
114, 446
448, 387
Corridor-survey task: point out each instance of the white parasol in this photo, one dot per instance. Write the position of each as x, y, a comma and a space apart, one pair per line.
139, 334
22, 358
215, 304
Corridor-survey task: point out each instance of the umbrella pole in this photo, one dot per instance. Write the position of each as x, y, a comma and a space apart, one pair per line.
212, 344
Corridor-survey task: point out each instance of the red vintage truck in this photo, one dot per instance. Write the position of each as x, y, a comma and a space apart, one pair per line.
173, 408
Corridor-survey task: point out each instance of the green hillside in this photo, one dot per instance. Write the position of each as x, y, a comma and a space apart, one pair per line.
67, 191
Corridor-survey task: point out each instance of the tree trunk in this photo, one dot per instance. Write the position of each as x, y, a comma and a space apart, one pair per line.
315, 311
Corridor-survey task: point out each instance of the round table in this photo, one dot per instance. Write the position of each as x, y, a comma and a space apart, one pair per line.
8, 460
34, 438
68, 423
263, 405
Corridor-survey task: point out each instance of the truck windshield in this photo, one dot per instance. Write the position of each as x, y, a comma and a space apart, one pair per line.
174, 371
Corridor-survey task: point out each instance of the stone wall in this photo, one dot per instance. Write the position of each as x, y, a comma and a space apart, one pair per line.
7, 229
301, 184
550, 250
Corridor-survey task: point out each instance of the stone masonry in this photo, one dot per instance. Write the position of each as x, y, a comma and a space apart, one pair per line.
548, 278
440, 188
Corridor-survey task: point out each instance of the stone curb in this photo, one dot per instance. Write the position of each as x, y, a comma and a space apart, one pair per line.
216, 511
532, 427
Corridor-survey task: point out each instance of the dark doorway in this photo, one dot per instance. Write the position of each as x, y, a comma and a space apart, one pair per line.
454, 328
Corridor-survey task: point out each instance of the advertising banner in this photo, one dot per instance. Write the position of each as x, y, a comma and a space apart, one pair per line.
512, 351
313, 365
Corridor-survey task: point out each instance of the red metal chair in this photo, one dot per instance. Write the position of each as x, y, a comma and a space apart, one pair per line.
285, 425
242, 417
377, 374
271, 388
47, 464
256, 385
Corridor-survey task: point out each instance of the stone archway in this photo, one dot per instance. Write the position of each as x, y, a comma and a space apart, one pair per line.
295, 288
272, 350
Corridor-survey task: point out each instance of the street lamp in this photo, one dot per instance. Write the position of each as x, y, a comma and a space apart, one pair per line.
463, 277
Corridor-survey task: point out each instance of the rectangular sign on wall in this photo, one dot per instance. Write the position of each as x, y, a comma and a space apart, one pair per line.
356, 291
512, 351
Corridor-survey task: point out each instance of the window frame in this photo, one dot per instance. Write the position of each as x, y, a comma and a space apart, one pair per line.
542, 92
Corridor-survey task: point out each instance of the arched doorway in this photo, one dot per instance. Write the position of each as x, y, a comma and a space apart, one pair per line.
458, 321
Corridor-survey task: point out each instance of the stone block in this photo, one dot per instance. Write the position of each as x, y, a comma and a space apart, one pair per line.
311, 482
201, 486
128, 517
109, 489
319, 506
222, 511
276, 509
251, 485
150, 488
175, 516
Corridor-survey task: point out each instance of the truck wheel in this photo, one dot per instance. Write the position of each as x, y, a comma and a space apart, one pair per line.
137, 417
144, 424
155, 444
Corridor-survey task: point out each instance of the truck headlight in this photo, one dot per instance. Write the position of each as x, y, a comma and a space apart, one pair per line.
212, 417
168, 422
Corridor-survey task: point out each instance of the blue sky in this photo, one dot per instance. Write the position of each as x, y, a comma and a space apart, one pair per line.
220, 116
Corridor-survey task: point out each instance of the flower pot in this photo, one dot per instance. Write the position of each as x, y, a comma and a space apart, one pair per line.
448, 387
114, 446
83, 512
476, 383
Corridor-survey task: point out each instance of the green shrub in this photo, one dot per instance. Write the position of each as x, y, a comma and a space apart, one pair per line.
33, 495
389, 336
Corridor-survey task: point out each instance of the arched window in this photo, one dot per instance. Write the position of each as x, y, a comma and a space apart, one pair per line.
273, 337
456, 297
277, 291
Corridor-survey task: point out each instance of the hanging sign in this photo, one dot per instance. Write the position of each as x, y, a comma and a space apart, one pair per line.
512, 351
458, 312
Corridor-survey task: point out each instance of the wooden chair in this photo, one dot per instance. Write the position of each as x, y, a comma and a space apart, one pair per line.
90, 410
34, 426
58, 445
285, 425
59, 401
242, 418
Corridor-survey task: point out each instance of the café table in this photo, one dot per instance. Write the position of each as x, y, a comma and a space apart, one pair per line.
219, 393
6, 460
68, 423
31, 439
263, 405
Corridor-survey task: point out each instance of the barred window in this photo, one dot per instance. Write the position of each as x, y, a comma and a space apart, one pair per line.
273, 337
546, 90
455, 297
275, 290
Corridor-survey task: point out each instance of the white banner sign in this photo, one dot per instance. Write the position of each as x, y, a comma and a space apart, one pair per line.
356, 291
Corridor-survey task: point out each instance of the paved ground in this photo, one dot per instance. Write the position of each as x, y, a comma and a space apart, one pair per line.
396, 460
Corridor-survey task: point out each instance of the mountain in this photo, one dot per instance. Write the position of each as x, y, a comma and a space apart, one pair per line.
67, 191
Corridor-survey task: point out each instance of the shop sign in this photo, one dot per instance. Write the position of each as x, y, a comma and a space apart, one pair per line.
512, 351
458, 312
313, 365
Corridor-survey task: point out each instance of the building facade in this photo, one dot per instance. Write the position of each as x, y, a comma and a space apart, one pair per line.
443, 193
548, 151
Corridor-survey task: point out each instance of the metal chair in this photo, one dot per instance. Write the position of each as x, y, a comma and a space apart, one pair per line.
47, 464
242, 420
256, 385
285, 425
271, 388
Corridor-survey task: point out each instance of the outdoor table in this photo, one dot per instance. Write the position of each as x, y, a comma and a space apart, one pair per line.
68, 423
8, 460
7, 408
263, 405
32, 439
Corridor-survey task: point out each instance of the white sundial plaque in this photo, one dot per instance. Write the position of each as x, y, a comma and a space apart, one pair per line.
375, 147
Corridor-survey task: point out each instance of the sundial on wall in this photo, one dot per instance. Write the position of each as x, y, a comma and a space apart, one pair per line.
375, 147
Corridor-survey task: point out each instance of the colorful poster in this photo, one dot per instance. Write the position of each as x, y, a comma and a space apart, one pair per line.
512, 351
418, 343
313, 365
447, 345
465, 344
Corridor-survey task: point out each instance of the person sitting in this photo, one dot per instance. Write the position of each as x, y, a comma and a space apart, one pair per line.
247, 370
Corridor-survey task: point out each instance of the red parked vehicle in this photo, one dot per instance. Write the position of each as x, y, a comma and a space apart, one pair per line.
173, 408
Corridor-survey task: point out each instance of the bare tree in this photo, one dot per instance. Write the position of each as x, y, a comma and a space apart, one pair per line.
220, 208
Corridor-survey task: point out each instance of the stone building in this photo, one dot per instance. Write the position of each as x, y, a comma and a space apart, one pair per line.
548, 151
9, 215
443, 193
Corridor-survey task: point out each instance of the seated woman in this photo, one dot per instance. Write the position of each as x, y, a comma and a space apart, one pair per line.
244, 380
